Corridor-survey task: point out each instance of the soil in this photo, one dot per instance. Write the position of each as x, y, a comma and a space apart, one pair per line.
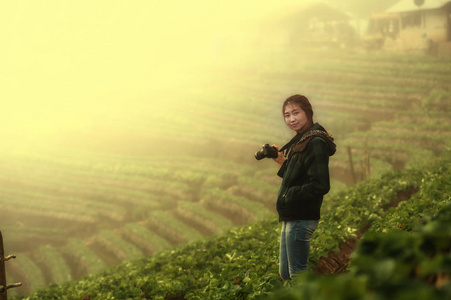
403, 196
337, 262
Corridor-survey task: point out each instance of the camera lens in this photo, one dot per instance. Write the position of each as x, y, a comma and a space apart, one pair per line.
259, 155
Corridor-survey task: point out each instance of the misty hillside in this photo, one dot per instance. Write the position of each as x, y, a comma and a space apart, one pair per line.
70, 211
129, 137
404, 218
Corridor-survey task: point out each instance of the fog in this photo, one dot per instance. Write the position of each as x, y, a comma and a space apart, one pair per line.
68, 66
65, 64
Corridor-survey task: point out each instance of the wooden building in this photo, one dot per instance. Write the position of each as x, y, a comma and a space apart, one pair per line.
416, 26
315, 24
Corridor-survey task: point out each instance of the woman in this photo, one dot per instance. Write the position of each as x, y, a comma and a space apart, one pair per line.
305, 171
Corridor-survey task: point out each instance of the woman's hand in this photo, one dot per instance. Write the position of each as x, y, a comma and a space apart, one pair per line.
280, 159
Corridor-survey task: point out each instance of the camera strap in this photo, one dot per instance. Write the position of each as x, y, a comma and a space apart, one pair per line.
292, 142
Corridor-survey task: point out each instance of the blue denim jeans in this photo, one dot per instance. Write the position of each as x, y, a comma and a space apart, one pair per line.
295, 246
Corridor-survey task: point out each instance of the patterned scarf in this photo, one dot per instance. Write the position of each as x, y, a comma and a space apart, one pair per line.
300, 141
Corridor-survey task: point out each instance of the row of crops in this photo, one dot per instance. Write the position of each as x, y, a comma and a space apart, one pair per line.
117, 210
391, 111
72, 212
243, 262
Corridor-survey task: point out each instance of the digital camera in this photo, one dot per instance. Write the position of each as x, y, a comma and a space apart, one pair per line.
267, 151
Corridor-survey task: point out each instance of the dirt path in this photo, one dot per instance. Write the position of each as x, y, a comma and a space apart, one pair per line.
337, 262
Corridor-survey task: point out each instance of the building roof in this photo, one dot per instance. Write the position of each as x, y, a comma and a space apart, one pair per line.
409, 5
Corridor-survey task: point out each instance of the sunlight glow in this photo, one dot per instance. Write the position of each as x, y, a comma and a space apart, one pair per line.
65, 64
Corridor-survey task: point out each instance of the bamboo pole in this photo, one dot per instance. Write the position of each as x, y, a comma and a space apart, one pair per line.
3, 289
3, 286
351, 164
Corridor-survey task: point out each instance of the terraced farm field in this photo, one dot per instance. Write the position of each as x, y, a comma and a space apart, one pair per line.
176, 171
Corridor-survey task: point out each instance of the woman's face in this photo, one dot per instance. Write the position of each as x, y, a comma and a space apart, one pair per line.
295, 117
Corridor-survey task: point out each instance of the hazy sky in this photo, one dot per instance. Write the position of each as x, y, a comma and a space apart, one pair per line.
62, 61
